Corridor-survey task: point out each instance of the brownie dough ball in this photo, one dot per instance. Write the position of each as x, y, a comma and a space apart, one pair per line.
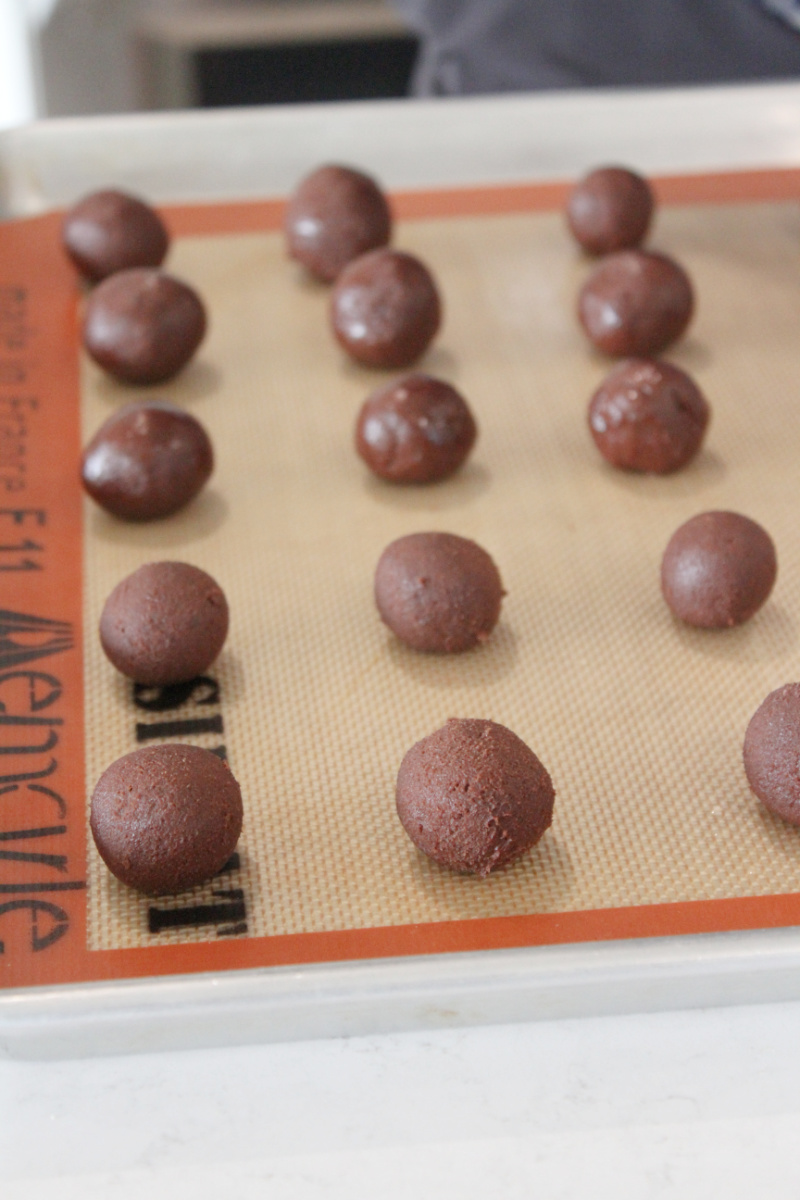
146, 461
610, 209
416, 430
473, 796
165, 623
438, 592
718, 569
772, 752
335, 215
143, 326
648, 416
635, 303
111, 231
166, 818
385, 309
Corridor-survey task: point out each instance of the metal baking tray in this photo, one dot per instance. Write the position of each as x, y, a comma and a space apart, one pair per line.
252, 155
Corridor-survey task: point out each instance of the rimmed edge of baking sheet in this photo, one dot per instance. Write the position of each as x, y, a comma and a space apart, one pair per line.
368, 997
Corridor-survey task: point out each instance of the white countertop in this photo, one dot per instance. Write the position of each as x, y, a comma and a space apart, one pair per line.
686, 1105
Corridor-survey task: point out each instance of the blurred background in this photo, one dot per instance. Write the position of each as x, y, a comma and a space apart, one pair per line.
70, 57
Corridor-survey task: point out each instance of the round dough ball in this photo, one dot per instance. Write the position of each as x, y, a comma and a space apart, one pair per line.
772, 752
385, 309
335, 215
146, 461
111, 231
165, 623
635, 304
610, 209
718, 569
143, 326
473, 796
438, 592
648, 416
166, 818
416, 430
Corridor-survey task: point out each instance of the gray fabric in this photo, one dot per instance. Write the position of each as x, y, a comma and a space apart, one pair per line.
787, 10
473, 46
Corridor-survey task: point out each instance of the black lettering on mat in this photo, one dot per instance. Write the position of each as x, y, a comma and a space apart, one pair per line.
229, 909
149, 731
229, 914
202, 690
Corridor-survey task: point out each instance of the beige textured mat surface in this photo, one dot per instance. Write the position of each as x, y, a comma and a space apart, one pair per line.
639, 720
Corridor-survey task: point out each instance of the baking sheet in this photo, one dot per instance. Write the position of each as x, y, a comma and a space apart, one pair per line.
639, 720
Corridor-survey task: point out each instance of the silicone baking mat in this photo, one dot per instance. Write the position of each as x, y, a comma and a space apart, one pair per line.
639, 719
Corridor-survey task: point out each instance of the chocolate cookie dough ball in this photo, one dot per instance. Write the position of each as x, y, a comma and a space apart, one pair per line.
416, 430
718, 569
635, 304
772, 752
648, 416
438, 592
143, 326
610, 209
335, 215
165, 623
385, 309
473, 796
147, 461
110, 231
166, 818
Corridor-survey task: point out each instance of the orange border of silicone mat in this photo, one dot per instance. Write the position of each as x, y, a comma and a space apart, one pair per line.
39, 360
